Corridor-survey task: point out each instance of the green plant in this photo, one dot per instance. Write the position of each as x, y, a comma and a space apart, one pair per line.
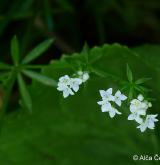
22, 66
72, 130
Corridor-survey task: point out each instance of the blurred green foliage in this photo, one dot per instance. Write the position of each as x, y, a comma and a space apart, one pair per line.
73, 130
73, 22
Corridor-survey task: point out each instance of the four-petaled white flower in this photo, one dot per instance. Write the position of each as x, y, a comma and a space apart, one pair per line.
64, 86
107, 98
149, 122
119, 97
105, 105
107, 95
70, 85
74, 83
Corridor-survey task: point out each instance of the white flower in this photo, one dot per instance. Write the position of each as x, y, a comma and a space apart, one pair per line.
107, 95
119, 97
83, 75
113, 111
63, 83
105, 105
138, 107
148, 123
67, 91
66, 84
65, 80
107, 98
74, 83
136, 117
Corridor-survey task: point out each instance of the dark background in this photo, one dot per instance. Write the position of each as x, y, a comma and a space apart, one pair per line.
72, 23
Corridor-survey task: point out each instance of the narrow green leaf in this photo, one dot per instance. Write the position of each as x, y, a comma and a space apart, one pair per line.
142, 80
15, 50
4, 66
37, 51
130, 95
41, 78
129, 74
24, 93
103, 74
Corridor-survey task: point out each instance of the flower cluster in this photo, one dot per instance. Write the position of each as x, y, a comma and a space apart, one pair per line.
108, 100
69, 85
110, 103
138, 109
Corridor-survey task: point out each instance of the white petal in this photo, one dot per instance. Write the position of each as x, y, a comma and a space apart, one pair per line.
135, 101
141, 111
100, 102
111, 98
60, 89
78, 81
85, 77
131, 117
119, 113
106, 107
112, 113
65, 77
102, 93
75, 88
118, 102
142, 127
151, 125
109, 91
133, 108
138, 119
70, 91
123, 97
65, 93
118, 94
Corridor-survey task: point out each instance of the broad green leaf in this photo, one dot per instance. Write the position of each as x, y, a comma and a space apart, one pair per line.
24, 93
142, 80
129, 74
15, 50
41, 78
37, 51
149, 54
